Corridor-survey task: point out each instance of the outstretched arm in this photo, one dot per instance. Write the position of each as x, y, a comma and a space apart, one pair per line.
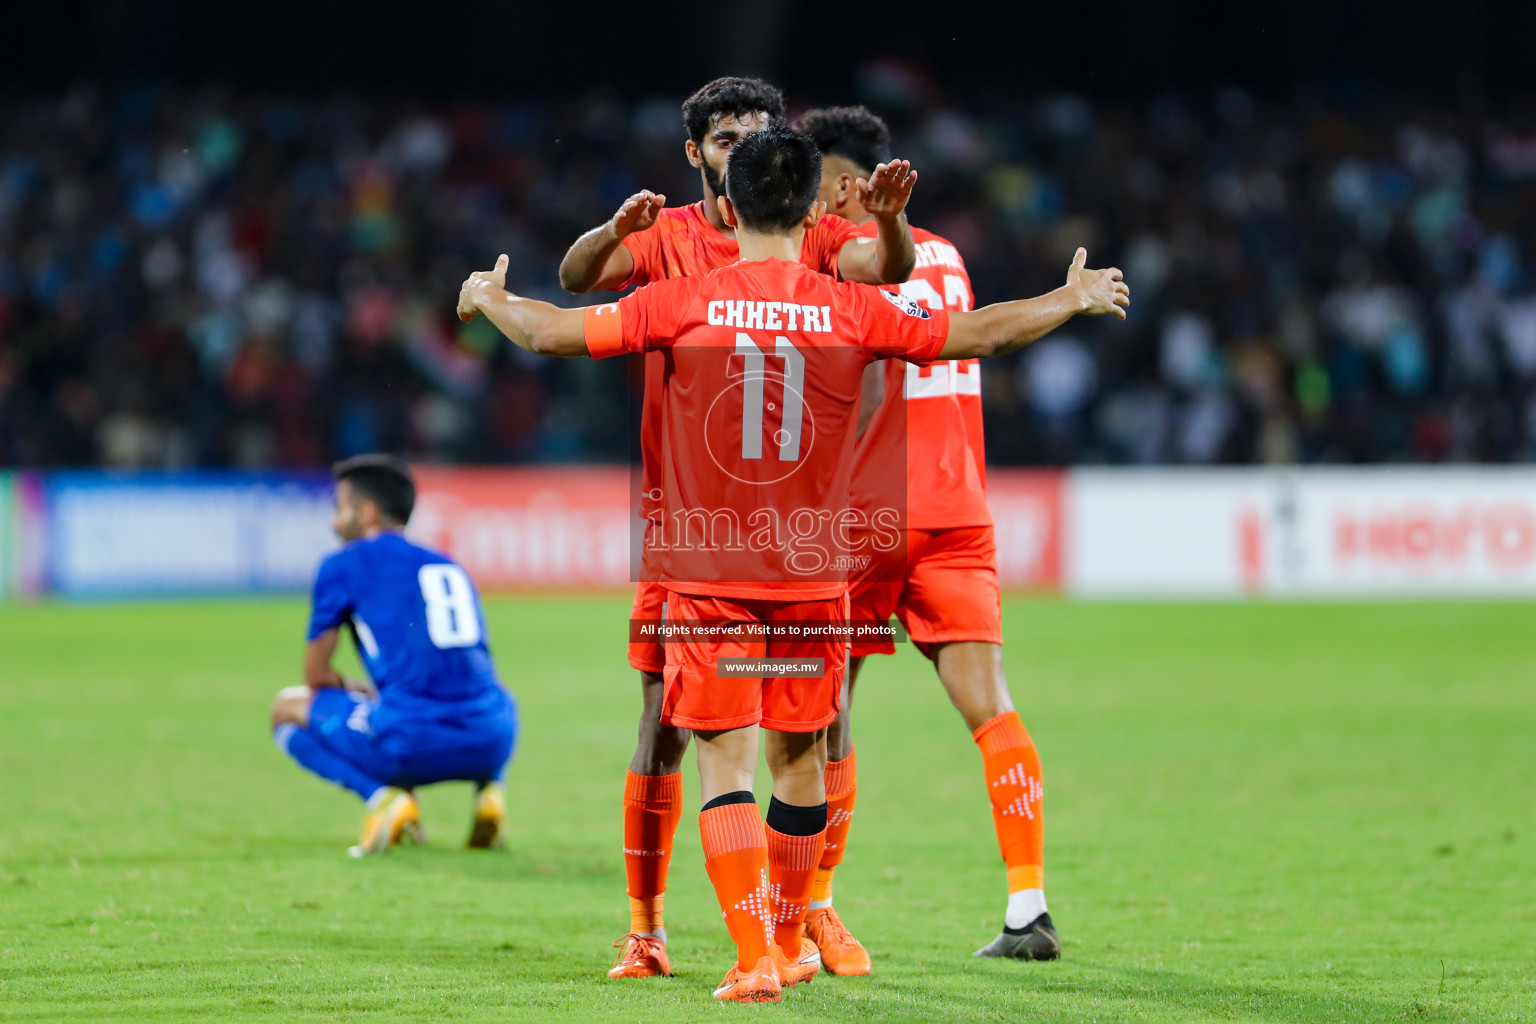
1009, 326
888, 258
599, 261
539, 327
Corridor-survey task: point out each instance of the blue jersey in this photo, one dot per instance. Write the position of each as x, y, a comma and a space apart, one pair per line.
419, 629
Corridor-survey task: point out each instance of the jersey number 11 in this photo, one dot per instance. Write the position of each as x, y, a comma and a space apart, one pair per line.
788, 436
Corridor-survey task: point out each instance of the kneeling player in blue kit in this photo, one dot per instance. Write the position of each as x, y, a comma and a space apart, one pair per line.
435, 711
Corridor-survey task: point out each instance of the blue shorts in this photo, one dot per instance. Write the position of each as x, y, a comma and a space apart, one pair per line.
475, 750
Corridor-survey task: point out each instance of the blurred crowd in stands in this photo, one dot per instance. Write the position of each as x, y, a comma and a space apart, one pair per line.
211, 277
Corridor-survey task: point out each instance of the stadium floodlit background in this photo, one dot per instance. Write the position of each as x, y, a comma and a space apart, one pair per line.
229, 248
237, 263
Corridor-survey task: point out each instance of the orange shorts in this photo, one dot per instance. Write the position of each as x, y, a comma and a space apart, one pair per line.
650, 606
698, 698
950, 592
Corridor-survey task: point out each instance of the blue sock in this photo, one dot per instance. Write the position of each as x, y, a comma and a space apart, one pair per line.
302, 747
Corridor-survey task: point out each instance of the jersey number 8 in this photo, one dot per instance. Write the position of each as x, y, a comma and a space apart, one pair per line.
451, 617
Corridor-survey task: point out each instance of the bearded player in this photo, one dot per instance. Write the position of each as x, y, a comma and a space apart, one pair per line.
717, 334
647, 241
928, 419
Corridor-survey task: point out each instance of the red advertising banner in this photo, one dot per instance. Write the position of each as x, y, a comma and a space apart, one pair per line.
569, 527
519, 529
1027, 515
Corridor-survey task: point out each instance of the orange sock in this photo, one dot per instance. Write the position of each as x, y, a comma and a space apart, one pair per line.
842, 789
791, 863
1012, 766
653, 805
736, 857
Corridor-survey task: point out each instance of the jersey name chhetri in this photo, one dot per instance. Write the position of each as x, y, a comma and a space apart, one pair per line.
758, 421
750, 314
683, 243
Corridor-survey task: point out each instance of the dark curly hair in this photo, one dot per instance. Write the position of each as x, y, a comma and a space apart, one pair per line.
726, 97
855, 133
772, 178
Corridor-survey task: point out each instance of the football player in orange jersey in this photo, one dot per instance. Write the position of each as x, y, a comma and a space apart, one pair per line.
647, 241
927, 421
829, 331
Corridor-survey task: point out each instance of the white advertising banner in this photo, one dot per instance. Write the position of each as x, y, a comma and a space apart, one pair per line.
1402, 532
1375, 532
1161, 533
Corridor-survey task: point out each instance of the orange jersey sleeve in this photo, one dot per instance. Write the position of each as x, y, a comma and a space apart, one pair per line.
898, 326
646, 250
824, 243
682, 243
642, 321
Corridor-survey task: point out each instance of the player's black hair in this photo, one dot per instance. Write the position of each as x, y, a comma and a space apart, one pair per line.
856, 133
772, 178
730, 97
383, 478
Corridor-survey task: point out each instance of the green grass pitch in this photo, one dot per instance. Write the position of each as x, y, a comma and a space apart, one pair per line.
1254, 812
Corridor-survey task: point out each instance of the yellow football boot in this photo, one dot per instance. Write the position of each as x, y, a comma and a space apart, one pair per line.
392, 817
489, 829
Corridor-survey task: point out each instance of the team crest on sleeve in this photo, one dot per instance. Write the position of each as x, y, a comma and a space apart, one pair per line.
906, 304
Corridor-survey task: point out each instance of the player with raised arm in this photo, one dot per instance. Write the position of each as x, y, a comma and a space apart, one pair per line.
754, 505
647, 241
434, 711
927, 421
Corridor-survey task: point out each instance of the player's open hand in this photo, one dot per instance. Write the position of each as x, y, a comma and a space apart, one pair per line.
885, 192
475, 285
638, 213
1101, 291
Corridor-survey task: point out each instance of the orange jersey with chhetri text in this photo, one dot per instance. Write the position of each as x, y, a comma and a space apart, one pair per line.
761, 373
929, 421
683, 243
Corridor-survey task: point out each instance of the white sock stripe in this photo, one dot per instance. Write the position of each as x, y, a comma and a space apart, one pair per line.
282, 734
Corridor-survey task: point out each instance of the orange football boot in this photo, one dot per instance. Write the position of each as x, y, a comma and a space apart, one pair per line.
841, 953
642, 956
759, 985
803, 968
